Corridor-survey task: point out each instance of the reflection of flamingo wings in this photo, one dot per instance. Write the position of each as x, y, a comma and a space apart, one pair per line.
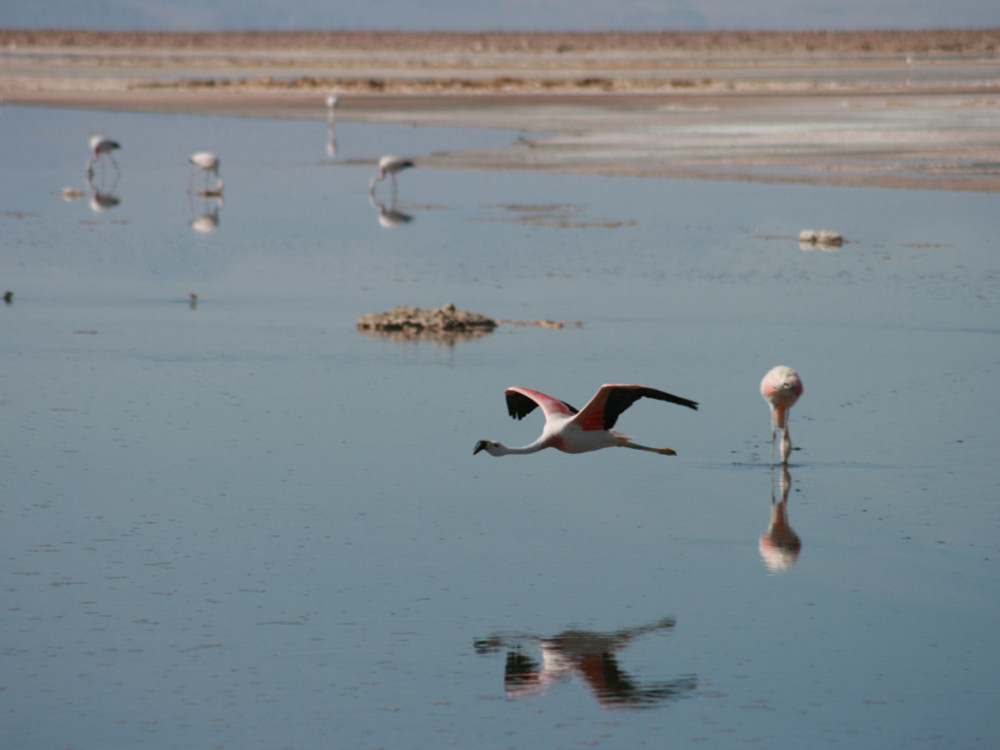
589, 656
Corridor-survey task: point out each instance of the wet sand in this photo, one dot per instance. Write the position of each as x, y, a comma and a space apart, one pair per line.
892, 109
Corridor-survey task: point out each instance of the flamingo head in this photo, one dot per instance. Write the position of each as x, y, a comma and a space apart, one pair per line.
490, 446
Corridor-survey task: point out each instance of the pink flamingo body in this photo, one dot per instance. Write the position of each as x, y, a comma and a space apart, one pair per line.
781, 388
579, 431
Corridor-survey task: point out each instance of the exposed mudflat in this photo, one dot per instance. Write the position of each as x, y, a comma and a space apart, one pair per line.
895, 109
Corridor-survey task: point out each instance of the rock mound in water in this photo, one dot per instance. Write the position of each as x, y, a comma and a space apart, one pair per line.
445, 319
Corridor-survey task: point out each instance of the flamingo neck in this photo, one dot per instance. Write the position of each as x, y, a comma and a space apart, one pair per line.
503, 450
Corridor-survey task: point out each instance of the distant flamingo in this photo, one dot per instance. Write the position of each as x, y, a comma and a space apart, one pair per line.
389, 165
331, 138
572, 431
100, 145
781, 388
208, 163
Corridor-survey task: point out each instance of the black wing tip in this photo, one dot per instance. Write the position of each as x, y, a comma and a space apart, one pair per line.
518, 405
664, 396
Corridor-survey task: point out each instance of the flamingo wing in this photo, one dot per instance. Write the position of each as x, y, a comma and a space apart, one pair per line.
522, 401
603, 410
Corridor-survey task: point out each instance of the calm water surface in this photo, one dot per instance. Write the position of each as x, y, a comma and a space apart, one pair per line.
243, 524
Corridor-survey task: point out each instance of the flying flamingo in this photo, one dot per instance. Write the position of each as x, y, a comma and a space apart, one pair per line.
207, 162
781, 388
573, 431
100, 145
389, 165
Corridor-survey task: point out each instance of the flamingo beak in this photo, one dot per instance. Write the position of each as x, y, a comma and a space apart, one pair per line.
481, 445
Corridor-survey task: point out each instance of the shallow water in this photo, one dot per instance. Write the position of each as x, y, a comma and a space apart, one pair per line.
244, 524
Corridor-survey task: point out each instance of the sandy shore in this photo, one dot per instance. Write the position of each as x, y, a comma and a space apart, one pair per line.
895, 109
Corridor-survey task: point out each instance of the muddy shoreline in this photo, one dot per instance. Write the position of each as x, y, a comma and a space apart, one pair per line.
893, 109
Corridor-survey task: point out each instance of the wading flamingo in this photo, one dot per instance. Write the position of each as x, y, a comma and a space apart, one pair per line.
100, 145
207, 162
389, 165
573, 431
781, 388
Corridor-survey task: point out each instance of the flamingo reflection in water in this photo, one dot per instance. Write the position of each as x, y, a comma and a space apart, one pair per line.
206, 219
102, 198
205, 222
588, 656
389, 216
331, 138
780, 546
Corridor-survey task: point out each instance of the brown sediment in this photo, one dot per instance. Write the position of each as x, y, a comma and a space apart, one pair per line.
917, 109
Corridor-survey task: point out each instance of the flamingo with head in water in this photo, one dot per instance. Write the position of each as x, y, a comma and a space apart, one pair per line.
391, 166
781, 388
207, 162
579, 431
100, 145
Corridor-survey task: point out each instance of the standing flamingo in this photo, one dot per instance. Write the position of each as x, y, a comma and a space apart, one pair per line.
207, 162
389, 165
781, 388
573, 431
100, 145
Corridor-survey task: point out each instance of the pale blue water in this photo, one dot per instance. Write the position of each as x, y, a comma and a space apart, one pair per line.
248, 525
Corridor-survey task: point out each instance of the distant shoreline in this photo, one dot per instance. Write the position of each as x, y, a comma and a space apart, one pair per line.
863, 42
915, 109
